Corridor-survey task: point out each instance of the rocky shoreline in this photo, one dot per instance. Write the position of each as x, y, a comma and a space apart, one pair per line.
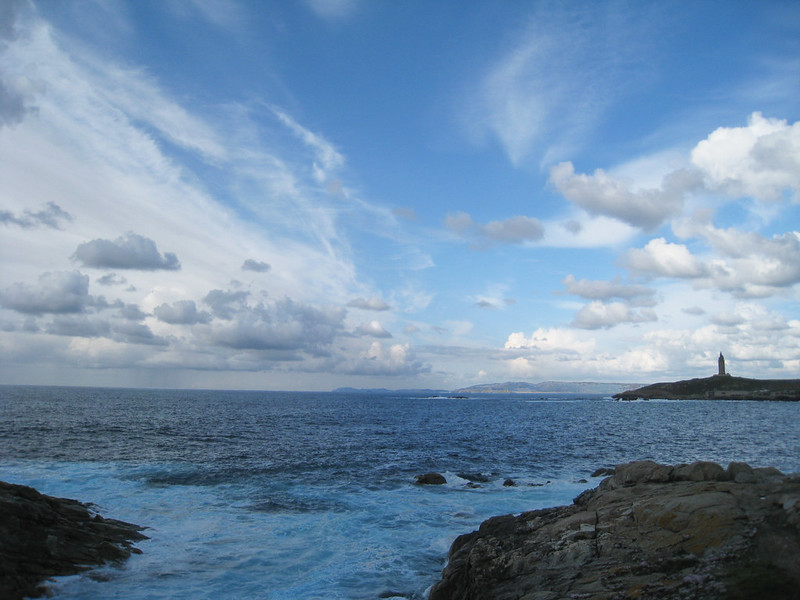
43, 537
649, 531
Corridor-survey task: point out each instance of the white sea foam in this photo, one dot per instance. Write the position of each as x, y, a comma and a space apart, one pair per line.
206, 542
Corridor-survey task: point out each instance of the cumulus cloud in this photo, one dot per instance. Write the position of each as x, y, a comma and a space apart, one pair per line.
602, 194
515, 230
182, 312
761, 160
372, 329
748, 264
283, 326
136, 333
50, 216
224, 304
394, 360
131, 251
599, 315
58, 292
549, 340
606, 290
255, 265
660, 258
373, 303
78, 326
131, 312
111, 279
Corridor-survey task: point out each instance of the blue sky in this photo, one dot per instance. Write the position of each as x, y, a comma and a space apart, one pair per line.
306, 195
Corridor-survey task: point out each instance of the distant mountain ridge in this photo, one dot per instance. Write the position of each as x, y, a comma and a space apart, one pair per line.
548, 387
508, 387
403, 391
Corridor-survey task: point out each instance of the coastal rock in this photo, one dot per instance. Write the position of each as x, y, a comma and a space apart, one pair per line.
649, 531
431, 479
42, 537
602, 472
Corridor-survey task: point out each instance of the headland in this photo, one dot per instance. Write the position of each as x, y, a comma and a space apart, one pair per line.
717, 387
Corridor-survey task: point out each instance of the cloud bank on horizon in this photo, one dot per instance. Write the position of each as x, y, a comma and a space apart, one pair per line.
311, 195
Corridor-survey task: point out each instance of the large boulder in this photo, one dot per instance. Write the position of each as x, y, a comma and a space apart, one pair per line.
648, 532
42, 537
431, 479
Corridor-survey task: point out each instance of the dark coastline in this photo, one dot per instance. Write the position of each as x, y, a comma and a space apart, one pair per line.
718, 387
650, 531
43, 536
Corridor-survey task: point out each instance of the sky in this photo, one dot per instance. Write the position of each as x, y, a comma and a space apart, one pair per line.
312, 194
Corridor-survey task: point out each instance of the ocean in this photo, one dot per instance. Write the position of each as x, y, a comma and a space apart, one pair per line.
312, 495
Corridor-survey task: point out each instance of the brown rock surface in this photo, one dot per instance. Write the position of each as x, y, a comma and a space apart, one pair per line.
649, 531
42, 536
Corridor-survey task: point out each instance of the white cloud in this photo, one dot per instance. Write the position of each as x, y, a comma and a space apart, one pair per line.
284, 327
748, 264
397, 359
761, 160
372, 329
131, 251
373, 303
597, 315
56, 292
660, 258
553, 86
585, 231
605, 290
182, 312
329, 160
258, 266
52, 216
549, 340
515, 230
602, 194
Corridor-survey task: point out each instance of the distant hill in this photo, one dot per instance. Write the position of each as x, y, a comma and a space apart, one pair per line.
720, 387
548, 387
402, 392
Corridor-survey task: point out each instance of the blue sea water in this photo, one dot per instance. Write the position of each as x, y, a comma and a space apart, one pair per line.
311, 495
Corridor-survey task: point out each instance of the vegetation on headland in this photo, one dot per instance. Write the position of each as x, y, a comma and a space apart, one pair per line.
717, 387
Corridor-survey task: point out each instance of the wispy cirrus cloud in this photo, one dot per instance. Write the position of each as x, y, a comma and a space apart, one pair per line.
552, 87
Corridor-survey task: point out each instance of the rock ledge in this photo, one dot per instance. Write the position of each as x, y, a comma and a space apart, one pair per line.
42, 537
650, 531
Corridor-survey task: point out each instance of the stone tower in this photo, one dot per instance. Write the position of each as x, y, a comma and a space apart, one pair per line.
721, 362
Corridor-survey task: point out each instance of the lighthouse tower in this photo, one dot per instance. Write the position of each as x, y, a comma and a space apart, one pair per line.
721, 362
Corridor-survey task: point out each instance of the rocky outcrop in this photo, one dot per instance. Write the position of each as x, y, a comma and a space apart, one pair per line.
650, 531
42, 537
431, 479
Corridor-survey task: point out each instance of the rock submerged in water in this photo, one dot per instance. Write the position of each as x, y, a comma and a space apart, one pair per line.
650, 531
431, 479
42, 537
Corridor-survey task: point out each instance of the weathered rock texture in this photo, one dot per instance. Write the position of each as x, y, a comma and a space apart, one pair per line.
42, 536
649, 532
